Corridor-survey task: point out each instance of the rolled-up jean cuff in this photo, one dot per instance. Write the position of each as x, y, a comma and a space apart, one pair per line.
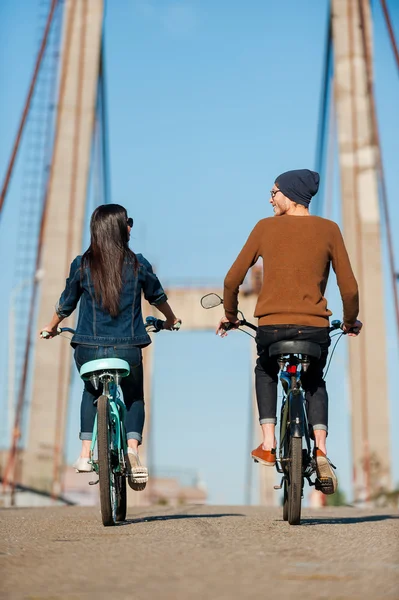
135, 436
85, 436
322, 427
270, 421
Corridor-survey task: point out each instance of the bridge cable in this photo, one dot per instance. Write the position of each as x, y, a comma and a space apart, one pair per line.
391, 32
322, 129
102, 82
380, 165
27, 105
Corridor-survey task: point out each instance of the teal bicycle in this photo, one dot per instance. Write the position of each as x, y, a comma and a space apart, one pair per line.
109, 442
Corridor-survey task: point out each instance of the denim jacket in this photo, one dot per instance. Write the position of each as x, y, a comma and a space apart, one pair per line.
96, 326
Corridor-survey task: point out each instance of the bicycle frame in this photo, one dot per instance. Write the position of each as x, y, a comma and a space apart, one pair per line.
117, 409
293, 418
117, 417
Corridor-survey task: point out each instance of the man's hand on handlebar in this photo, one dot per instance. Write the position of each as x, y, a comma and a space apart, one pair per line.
225, 324
354, 330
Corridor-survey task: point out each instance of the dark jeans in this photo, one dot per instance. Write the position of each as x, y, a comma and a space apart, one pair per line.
266, 373
132, 388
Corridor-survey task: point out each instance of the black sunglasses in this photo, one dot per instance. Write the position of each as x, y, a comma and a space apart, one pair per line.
130, 222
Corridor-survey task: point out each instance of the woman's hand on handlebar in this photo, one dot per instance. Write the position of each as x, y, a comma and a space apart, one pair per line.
49, 331
52, 327
171, 320
225, 324
354, 330
170, 324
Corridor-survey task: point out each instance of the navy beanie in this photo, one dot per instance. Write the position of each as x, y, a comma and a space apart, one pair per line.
299, 186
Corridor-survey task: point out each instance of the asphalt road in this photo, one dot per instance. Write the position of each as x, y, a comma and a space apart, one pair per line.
198, 552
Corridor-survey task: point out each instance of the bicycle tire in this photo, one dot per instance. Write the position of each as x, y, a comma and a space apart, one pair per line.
104, 462
121, 498
285, 501
284, 440
295, 481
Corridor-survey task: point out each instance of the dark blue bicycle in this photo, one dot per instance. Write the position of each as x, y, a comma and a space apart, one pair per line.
295, 460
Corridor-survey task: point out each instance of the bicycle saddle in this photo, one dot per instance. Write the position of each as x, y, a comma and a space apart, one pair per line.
295, 347
104, 364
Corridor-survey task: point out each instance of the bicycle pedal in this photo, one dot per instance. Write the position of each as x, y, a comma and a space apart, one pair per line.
94, 482
324, 485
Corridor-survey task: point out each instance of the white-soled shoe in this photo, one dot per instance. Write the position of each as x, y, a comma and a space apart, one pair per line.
82, 465
138, 475
327, 480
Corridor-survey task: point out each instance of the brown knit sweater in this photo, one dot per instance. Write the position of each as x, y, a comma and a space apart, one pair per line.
297, 252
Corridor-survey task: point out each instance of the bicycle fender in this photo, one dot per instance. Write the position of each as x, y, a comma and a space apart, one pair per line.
297, 425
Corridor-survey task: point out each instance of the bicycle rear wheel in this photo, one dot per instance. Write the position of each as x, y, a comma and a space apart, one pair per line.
284, 440
106, 476
295, 481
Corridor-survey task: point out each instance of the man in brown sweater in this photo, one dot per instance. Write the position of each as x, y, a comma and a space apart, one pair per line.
297, 250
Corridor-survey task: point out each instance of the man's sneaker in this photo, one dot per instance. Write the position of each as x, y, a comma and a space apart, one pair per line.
82, 465
326, 481
138, 475
266, 457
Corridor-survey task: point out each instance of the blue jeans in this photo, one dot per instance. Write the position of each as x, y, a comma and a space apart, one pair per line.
132, 388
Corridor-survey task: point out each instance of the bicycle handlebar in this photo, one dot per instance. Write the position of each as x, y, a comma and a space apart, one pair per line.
45, 334
66, 330
340, 325
152, 325
242, 323
336, 324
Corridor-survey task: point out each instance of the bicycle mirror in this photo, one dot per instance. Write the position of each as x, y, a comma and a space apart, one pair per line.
211, 300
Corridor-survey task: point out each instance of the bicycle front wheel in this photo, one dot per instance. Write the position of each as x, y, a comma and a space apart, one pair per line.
285, 501
106, 476
121, 498
295, 481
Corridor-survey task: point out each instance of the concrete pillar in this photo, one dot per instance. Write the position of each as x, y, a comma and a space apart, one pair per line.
62, 240
361, 225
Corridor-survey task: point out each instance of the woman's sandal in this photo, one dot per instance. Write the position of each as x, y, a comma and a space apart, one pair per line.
82, 465
138, 475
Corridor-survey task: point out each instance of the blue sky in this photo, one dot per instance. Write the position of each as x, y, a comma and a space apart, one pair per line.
208, 102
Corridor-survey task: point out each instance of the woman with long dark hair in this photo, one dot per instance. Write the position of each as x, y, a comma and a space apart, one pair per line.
109, 280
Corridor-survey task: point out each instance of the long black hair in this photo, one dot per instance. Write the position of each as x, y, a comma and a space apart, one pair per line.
109, 247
